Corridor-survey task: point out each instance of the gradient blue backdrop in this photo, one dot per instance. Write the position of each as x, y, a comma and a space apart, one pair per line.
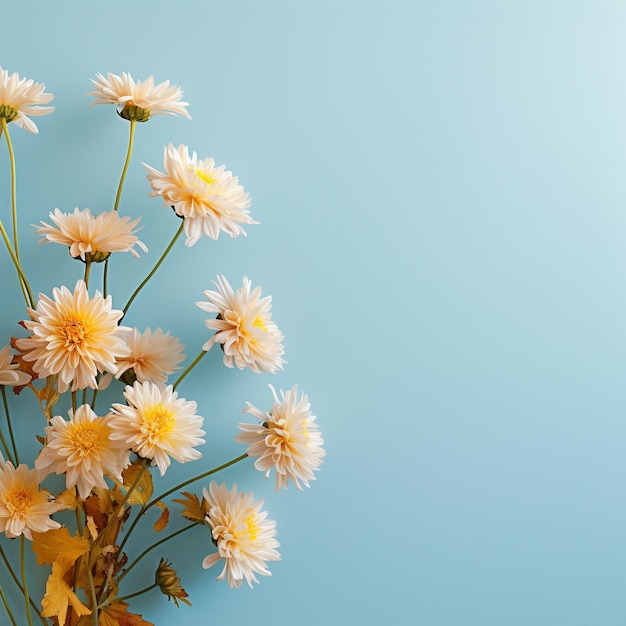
440, 187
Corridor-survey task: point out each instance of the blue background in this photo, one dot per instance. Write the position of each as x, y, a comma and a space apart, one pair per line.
441, 194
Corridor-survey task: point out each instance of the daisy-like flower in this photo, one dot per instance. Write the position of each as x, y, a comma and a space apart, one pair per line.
20, 98
138, 100
287, 439
244, 327
23, 506
10, 373
83, 449
153, 357
157, 424
92, 238
242, 532
208, 198
73, 336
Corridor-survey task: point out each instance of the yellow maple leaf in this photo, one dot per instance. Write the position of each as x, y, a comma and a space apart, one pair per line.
116, 615
143, 489
49, 545
59, 594
193, 509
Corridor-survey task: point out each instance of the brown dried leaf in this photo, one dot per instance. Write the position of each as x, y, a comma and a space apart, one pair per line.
116, 615
49, 545
164, 518
143, 490
192, 508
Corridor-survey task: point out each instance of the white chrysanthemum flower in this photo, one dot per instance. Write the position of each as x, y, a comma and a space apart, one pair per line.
157, 424
23, 506
209, 198
83, 449
74, 337
287, 439
10, 373
92, 238
244, 327
153, 356
242, 532
20, 98
129, 94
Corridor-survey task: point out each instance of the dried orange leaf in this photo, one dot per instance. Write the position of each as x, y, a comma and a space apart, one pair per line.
143, 489
116, 615
164, 518
49, 545
192, 508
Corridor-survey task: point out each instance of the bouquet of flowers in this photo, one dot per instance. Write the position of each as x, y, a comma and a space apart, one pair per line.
74, 344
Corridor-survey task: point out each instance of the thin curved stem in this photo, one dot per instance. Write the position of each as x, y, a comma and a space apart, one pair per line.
5, 445
131, 138
7, 607
155, 268
19, 584
6, 411
5, 128
25, 581
152, 547
105, 277
87, 270
137, 593
94, 601
26, 290
195, 362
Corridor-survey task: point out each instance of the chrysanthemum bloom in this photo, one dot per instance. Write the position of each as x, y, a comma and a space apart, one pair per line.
242, 532
20, 98
73, 336
92, 238
287, 439
244, 327
208, 198
153, 357
157, 424
23, 506
10, 373
83, 449
138, 100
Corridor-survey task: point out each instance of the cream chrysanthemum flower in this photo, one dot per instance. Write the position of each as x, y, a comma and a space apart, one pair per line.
20, 98
244, 327
153, 357
138, 100
157, 424
92, 238
23, 506
208, 198
287, 439
10, 373
83, 449
74, 337
242, 532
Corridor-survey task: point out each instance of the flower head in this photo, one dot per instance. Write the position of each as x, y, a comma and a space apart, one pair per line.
73, 336
23, 506
169, 582
92, 238
286, 439
242, 532
244, 327
157, 424
83, 449
10, 373
20, 98
153, 357
209, 198
138, 100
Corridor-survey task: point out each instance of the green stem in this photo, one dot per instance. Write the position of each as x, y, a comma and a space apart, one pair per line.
6, 410
25, 581
26, 290
74, 401
6, 606
158, 543
155, 268
137, 593
19, 585
94, 601
131, 138
105, 277
87, 270
195, 362
144, 465
5, 128
5, 445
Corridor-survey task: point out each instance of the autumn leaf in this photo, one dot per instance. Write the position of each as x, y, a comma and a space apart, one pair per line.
193, 509
49, 545
68, 499
59, 595
143, 490
116, 615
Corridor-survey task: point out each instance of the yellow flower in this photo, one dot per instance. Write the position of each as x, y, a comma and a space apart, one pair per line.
73, 336
23, 507
20, 98
244, 327
286, 439
83, 450
157, 424
243, 534
92, 238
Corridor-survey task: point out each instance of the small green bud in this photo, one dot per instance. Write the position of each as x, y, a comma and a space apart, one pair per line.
132, 112
8, 112
169, 582
128, 377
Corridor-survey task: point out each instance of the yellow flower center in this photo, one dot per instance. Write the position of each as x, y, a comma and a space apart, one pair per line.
84, 437
19, 501
258, 322
158, 421
252, 528
74, 333
207, 178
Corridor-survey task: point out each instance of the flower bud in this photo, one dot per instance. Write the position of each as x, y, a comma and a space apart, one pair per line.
132, 112
169, 583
